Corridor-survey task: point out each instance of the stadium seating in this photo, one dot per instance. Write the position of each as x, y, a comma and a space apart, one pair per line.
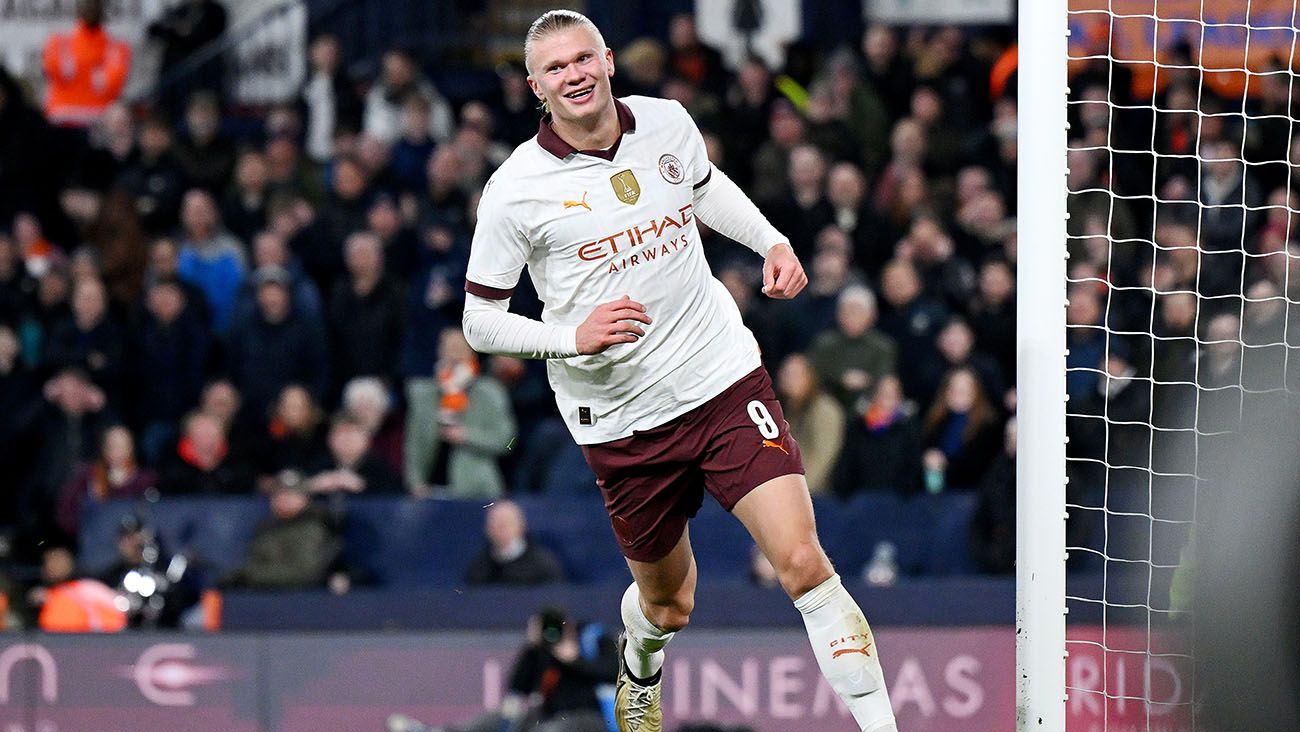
407, 542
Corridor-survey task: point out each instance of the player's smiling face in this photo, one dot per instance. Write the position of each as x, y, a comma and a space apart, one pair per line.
570, 72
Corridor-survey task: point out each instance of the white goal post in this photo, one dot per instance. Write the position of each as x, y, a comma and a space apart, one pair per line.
1040, 367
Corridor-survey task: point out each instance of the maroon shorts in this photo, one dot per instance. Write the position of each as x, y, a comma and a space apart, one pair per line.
654, 481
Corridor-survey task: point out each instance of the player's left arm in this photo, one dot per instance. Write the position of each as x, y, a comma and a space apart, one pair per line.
721, 205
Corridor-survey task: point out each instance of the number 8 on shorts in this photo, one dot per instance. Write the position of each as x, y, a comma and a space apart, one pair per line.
766, 425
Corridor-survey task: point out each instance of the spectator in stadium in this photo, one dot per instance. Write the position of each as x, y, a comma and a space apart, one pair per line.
1086, 340
387, 220
206, 156
203, 462
464, 413
800, 321
85, 69
155, 177
882, 446
802, 208
886, 68
330, 100
1112, 425
850, 359
51, 307
400, 77
183, 30
514, 106
993, 528
962, 430
413, 146
33, 174
164, 264
114, 473
16, 286
643, 63
210, 258
912, 318
365, 314
749, 103
950, 278
956, 344
556, 683
244, 204
291, 172
280, 345
117, 238
67, 431
20, 404
771, 161
294, 437
691, 59
816, 419
445, 202
166, 360
509, 555
993, 314
344, 213
368, 400
271, 250
846, 192
350, 465
222, 400
297, 547
90, 340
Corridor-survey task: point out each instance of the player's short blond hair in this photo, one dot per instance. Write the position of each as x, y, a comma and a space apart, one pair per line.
553, 21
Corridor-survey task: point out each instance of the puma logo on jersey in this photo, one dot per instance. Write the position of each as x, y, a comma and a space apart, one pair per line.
778, 445
575, 204
845, 651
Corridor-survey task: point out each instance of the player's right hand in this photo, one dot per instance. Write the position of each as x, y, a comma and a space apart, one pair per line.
610, 324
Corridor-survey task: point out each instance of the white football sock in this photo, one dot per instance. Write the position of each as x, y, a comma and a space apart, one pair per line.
846, 652
644, 651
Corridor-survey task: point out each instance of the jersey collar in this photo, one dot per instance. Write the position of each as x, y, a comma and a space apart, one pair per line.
553, 144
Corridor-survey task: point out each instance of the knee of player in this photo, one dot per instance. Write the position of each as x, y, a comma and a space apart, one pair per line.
802, 567
672, 614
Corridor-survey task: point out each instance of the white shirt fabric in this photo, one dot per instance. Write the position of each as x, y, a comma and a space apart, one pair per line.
594, 226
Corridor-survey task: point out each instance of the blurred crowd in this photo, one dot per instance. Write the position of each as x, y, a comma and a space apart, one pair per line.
208, 300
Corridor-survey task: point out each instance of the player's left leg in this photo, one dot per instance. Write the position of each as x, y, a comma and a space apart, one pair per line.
779, 515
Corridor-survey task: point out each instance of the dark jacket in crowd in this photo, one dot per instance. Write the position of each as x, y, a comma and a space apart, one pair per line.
886, 456
181, 476
366, 331
262, 358
291, 554
166, 363
536, 566
98, 351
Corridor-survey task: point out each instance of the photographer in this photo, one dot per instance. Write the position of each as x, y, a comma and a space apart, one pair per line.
555, 685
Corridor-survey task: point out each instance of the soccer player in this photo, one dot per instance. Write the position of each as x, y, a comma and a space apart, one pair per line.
655, 375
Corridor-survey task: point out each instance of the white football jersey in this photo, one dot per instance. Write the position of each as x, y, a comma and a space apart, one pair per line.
594, 226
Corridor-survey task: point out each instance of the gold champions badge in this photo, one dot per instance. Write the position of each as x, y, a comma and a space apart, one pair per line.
626, 187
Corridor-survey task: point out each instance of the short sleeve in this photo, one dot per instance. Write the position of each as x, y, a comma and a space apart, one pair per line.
498, 251
696, 151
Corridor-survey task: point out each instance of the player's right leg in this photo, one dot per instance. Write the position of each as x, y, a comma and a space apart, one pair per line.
656, 605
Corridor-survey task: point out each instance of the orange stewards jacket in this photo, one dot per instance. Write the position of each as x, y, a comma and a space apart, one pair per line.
85, 72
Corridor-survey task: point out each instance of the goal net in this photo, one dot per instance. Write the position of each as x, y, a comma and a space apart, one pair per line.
1183, 212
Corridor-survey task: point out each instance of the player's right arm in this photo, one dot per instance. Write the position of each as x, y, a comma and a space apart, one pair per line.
497, 257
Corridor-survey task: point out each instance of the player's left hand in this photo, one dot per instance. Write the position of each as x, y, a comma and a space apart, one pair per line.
783, 275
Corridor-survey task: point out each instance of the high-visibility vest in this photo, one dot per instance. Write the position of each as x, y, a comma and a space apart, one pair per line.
82, 606
85, 71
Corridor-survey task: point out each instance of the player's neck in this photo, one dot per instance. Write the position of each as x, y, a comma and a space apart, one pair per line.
600, 135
